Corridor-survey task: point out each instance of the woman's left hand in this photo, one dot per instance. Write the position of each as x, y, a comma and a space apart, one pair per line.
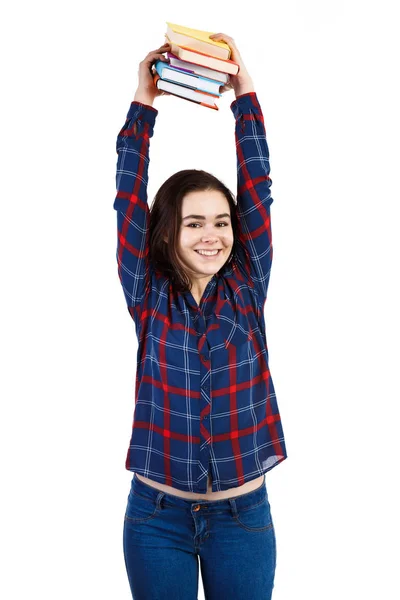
242, 82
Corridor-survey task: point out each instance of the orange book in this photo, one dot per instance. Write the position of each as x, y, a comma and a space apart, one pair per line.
203, 59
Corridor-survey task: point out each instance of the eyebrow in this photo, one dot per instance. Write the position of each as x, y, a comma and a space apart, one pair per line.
222, 215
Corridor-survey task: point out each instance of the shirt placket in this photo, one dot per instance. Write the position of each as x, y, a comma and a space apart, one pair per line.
205, 395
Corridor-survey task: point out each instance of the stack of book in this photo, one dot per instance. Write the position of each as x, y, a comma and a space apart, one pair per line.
198, 66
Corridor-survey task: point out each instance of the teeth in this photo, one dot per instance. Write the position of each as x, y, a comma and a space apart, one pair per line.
208, 252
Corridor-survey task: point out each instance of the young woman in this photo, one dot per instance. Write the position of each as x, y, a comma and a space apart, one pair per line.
195, 273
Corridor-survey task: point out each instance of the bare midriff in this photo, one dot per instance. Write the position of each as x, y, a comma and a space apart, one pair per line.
249, 486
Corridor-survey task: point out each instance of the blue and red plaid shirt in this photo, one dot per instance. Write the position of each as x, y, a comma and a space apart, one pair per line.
204, 397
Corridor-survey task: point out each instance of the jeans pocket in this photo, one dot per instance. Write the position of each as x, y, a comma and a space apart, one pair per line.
257, 517
140, 509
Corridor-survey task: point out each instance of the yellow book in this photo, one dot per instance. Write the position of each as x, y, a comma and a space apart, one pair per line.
198, 40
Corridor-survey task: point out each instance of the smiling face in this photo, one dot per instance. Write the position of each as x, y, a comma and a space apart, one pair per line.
205, 225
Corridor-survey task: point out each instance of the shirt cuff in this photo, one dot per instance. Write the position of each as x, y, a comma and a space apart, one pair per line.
144, 112
244, 102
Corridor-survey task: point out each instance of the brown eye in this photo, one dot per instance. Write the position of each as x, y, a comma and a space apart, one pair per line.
221, 223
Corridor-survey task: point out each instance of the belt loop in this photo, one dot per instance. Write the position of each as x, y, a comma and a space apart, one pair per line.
232, 502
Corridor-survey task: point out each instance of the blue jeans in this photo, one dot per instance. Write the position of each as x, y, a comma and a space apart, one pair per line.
164, 535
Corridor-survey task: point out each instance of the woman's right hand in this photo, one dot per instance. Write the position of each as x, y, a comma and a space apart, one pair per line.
147, 90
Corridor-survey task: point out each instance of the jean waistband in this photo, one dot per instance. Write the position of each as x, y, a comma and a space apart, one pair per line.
241, 502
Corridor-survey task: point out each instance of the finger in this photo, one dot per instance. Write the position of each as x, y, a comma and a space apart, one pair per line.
226, 88
160, 49
163, 47
221, 35
153, 56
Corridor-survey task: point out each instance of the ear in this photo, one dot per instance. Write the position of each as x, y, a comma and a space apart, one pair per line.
165, 239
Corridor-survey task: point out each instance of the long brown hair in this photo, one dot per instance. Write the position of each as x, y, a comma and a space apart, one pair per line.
165, 221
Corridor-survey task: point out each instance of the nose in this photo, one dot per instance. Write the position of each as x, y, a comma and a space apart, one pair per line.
209, 237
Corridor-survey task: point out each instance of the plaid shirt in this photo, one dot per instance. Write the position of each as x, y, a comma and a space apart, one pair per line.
204, 396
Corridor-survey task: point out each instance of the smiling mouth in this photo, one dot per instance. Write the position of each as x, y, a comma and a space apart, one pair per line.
209, 255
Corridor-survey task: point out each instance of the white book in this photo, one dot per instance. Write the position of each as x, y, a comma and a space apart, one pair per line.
197, 69
185, 92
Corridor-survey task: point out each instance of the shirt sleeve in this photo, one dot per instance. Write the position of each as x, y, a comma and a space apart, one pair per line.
253, 190
131, 201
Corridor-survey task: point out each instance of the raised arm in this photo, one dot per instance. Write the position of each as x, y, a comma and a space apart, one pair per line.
131, 200
253, 180
131, 181
253, 189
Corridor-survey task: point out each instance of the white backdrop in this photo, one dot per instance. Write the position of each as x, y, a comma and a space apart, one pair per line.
326, 75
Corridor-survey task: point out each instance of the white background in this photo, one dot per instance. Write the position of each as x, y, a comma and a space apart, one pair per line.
325, 74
